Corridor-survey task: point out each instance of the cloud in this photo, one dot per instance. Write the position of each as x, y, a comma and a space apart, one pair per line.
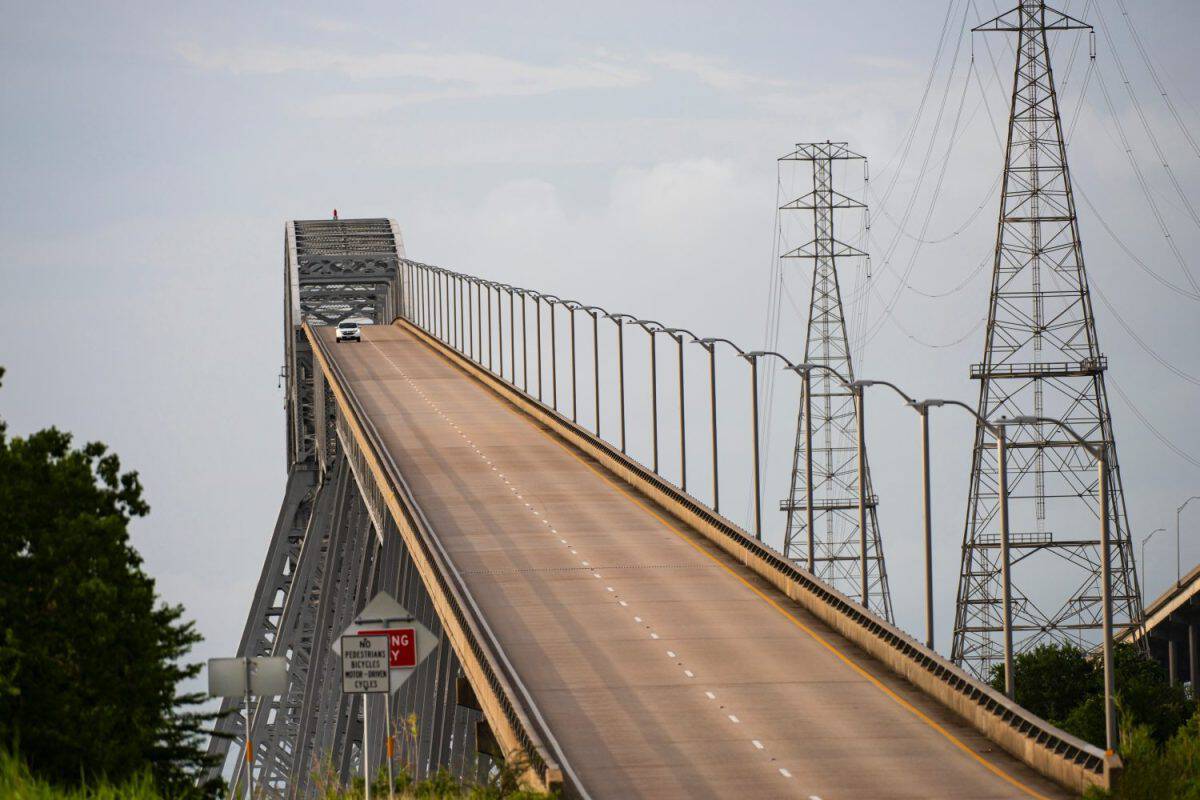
714, 72
460, 75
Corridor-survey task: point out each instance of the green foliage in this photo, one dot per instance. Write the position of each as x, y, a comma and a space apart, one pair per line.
16, 781
89, 661
1065, 686
1155, 771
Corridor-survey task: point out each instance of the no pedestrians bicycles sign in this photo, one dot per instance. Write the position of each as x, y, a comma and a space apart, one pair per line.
365, 664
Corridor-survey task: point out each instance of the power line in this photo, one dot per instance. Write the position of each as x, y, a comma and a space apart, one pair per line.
1166, 442
1162, 90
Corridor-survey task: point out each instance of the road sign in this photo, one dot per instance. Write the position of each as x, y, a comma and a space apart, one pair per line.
227, 676
402, 646
365, 664
409, 642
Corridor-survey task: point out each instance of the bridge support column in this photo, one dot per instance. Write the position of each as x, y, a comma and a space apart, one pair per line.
1172, 662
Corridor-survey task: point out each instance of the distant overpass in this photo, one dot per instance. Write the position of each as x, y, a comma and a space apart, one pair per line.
600, 626
1172, 629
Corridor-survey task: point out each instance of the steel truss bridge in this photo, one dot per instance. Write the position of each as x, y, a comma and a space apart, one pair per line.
601, 627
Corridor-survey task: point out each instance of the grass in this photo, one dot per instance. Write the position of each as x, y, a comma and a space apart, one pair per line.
17, 783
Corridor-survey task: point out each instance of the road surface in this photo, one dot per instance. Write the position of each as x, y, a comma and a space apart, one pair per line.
663, 668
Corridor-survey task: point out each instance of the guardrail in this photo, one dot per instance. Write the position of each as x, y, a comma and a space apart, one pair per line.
438, 309
506, 703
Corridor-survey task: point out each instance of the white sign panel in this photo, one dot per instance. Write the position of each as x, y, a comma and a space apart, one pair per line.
227, 676
365, 664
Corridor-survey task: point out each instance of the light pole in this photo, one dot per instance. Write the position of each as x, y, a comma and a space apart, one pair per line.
1149, 536
1178, 540
1099, 453
922, 407
677, 334
803, 369
651, 328
710, 344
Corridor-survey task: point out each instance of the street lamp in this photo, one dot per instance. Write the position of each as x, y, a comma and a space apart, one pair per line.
922, 407
1178, 558
710, 344
1149, 536
1098, 453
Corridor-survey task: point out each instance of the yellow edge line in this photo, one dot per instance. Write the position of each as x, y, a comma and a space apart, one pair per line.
617, 484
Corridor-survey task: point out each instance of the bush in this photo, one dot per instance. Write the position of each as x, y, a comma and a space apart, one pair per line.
1156, 771
1065, 686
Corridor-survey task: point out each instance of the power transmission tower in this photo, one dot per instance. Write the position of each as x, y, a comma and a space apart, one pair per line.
1041, 358
833, 548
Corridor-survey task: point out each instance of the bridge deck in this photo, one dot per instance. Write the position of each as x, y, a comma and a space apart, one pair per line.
663, 667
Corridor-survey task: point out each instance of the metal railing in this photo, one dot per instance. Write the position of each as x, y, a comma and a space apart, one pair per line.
466, 314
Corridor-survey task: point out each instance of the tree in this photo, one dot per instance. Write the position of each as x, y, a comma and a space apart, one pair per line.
89, 659
1065, 686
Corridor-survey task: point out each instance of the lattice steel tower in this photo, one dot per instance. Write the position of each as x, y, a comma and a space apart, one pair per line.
834, 545
1040, 358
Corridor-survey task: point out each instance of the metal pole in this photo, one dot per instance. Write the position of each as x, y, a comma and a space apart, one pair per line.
754, 434
927, 507
512, 338
471, 325
538, 305
553, 358
524, 348
654, 399
249, 750
574, 386
596, 366
1178, 559
1005, 561
712, 422
1110, 714
391, 748
479, 323
366, 750
621, 375
808, 472
488, 289
860, 400
682, 421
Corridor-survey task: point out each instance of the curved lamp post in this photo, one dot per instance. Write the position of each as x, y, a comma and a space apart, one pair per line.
1101, 456
1178, 549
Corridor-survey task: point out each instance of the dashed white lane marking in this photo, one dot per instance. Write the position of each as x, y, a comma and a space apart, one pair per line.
545, 521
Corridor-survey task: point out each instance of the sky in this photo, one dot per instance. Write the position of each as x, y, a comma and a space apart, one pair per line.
620, 153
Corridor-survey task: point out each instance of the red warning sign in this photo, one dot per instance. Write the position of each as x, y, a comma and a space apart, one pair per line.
402, 646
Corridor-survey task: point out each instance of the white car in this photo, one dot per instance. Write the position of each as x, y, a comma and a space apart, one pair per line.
348, 331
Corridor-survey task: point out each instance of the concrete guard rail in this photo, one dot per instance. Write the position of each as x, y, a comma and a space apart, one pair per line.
1054, 753
506, 705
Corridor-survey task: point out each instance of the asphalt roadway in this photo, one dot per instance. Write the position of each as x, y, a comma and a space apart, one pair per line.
662, 666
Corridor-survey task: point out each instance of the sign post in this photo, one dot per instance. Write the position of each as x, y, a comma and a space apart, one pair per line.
241, 677
365, 670
405, 642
